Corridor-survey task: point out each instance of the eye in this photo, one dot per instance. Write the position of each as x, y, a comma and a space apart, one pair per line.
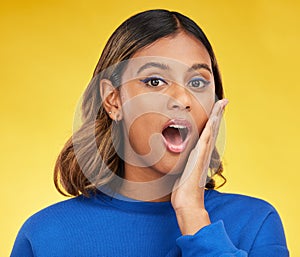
154, 81
198, 83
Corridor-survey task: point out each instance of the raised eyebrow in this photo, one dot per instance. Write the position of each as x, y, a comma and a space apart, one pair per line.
153, 64
198, 66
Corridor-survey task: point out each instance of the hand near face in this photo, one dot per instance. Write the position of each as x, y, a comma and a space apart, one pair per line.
188, 195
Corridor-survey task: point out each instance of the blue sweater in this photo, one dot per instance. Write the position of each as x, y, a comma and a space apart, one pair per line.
109, 227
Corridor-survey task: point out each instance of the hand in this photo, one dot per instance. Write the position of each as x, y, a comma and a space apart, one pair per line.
188, 193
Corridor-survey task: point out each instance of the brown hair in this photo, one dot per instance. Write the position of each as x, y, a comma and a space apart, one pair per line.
135, 33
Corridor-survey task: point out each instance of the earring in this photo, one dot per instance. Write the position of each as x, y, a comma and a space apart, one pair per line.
117, 116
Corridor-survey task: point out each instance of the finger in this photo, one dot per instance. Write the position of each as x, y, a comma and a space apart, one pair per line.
219, 107
216, 116
195, 168
192, 163
214, 131
212, 122
198, 162
207, 132
214, 125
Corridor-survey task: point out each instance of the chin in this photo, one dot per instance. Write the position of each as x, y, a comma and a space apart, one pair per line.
172, 163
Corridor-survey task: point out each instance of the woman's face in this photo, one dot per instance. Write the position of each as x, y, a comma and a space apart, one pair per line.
167, 94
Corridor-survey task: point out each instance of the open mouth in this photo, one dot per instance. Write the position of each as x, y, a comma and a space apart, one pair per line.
176, 134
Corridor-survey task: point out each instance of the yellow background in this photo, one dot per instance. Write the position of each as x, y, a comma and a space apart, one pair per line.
48, 50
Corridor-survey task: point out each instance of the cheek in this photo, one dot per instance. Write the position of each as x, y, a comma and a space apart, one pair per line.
201, 125
144, 135
137, 101
205, 100
140, 118
139, 134
200, 115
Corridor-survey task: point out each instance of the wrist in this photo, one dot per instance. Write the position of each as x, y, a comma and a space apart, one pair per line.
190, 220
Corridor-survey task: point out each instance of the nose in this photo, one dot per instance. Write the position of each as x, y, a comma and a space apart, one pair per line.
180, 98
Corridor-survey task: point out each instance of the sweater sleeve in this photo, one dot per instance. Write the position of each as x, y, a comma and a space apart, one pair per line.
22, 247
210, 241
213, 241
270, 239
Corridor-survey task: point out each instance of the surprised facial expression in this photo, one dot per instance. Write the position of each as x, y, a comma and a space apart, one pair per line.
167, 94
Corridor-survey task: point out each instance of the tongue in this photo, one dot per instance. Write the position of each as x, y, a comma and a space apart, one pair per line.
172, 135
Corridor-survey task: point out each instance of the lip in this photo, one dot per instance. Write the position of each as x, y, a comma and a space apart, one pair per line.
177, 148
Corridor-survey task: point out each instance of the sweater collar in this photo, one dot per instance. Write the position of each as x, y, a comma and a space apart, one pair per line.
124, 203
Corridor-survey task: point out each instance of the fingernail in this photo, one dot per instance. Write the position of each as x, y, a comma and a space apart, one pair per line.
225, 102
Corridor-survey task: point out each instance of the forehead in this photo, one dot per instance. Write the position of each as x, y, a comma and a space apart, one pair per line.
182, 47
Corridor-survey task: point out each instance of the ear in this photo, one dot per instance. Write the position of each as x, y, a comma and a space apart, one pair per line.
111, 99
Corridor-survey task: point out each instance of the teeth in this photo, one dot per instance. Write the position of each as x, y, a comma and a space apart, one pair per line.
177, 126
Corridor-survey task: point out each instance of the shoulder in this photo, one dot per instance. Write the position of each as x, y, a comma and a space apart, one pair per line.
238, 206
247, 219
56, 227
238, 200
58, 215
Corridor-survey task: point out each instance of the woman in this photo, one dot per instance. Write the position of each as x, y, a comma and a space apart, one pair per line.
138, 164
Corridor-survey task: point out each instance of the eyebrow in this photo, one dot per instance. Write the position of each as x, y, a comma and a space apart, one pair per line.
198, 66
153, 64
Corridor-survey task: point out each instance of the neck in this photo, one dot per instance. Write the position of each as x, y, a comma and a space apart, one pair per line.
146, 184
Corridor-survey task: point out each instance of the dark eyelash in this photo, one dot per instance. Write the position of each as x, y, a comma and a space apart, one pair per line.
146, 80
203, 80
